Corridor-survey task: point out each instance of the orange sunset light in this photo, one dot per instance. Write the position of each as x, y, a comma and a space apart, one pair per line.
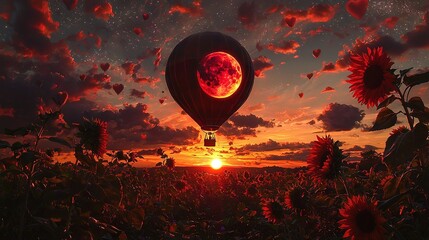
216, 163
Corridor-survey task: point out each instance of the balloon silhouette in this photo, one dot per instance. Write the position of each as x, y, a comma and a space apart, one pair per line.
210, 75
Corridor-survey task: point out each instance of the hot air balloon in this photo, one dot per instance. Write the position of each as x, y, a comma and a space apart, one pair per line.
210, 75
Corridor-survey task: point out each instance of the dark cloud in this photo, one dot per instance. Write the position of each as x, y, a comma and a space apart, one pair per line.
33, 26
138, 94
300, 155
357, 148
131, 126
241, 126
231, 131
418, 38
340, 117
250, 121
272, 145
262, 64
167, 135
248, 14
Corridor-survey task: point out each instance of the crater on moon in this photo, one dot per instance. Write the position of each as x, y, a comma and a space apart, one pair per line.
219, 74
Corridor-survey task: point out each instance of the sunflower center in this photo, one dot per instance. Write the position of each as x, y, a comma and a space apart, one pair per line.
365, 221
373, 76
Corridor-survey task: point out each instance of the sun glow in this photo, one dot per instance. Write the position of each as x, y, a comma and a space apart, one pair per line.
216, 163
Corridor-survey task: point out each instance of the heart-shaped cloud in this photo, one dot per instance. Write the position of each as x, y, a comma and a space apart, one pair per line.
357, 8
290, 21
60, 98
105, 66
118, 88
316, 53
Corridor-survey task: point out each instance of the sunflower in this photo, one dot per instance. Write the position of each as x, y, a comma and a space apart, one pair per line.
325, 159
371, 79
398, 130
170, 163
297, 199
93, 136
361, 219
272, 211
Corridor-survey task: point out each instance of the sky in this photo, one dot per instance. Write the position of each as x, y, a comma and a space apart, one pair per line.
52, 46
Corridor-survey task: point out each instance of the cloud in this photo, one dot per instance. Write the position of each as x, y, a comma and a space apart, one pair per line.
272, 145
129, 67
391, 22
256, 107
33, 26
87, 40
248, 15
130, 126
285, 47
340, 117
328, 89
241, 126
138, 94
418, 38
167, 135
101, 9
251, 121
357, 148
300, 155
194, 10
316, 13
262, 64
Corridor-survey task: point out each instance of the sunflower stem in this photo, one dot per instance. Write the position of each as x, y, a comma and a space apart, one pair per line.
345, 186
407, 113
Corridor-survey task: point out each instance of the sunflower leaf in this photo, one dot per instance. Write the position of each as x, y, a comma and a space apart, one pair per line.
416, 103
416, 79
386, 118
423, 116
400, 147
405, 71
386, 102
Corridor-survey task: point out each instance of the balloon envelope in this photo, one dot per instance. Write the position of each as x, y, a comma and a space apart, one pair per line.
184, 69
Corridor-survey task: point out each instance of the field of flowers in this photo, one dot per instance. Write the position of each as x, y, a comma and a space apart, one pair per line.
102, 196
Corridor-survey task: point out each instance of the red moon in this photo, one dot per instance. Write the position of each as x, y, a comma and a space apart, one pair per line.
219, 74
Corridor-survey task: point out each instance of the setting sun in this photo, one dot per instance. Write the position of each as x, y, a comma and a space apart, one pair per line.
216, 163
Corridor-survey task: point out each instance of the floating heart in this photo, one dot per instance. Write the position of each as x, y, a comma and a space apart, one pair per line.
145, 16
301, 95
118, 88
357, 8
70, 4
137, 30
61, 98
161, 100
316, 53
105, 66
290, 21
82, 77
309, 76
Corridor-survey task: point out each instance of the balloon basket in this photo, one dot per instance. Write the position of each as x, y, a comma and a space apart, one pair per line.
209, 139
